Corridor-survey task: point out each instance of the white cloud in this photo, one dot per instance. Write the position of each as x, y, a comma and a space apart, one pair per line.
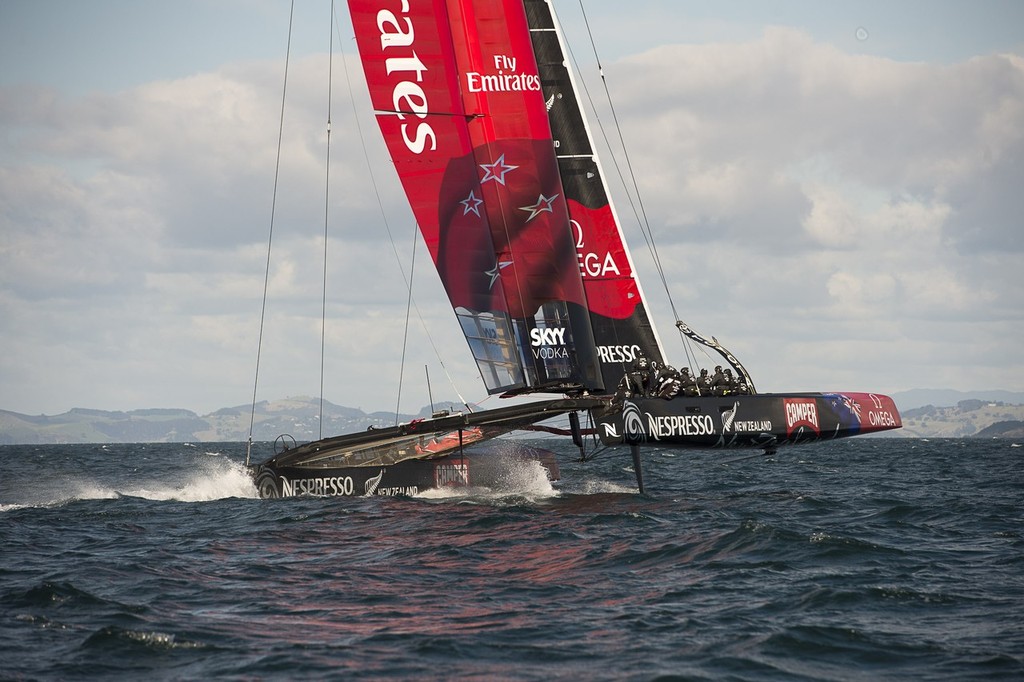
837, 220
820, 194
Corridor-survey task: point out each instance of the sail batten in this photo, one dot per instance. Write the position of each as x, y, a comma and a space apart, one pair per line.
398, 112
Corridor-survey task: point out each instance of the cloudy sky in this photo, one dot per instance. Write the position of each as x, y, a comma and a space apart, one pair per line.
836, 191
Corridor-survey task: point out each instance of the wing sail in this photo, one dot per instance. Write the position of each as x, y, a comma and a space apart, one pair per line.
459, 103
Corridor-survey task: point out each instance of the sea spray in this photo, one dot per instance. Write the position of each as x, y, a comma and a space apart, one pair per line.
214, 479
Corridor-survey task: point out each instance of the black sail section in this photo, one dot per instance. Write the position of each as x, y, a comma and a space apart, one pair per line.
618, 311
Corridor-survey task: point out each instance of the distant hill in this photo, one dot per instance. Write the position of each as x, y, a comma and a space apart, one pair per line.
297, 417
1009, 429
919, 397
967, 418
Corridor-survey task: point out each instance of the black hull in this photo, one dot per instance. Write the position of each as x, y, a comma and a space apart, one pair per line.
486, 465
753, 421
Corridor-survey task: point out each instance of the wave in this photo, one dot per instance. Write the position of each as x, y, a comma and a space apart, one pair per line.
113, 637
68, 491
50, 593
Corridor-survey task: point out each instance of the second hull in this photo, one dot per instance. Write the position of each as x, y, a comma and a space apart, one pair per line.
492, 465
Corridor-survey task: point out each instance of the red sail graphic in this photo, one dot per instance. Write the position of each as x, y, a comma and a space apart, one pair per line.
611, 287
459, 102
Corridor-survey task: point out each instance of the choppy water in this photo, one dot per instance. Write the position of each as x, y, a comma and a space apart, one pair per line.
866, 559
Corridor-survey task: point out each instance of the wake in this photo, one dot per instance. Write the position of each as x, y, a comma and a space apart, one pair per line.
216, 478
523, 479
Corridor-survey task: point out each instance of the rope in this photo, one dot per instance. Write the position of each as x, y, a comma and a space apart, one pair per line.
405, 333
645, 224
270, 239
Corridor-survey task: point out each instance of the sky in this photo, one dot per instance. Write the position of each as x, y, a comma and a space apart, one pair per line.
836, 192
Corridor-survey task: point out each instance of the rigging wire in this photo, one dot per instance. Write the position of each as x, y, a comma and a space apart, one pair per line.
273, 212
405, 333
639, 209
387, 226
641, 216
327, 211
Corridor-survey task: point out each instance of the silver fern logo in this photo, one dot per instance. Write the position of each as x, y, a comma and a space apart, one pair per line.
729, 416
373, 483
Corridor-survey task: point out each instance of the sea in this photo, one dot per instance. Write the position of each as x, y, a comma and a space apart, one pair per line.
860, 559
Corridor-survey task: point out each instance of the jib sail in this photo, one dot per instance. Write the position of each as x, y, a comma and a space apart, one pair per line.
459, 102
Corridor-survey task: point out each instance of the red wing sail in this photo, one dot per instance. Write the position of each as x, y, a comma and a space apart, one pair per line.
618, 311
459, 103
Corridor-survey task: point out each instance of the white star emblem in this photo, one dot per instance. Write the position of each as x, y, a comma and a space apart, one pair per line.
494, 272
496, 170
471, 204
543, 205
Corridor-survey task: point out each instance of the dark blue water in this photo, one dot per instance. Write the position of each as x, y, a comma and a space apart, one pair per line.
865, 559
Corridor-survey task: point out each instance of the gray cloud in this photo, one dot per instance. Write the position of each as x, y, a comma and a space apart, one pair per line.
838, 220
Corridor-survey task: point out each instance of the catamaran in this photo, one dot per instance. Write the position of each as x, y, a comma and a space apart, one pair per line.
479, 110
